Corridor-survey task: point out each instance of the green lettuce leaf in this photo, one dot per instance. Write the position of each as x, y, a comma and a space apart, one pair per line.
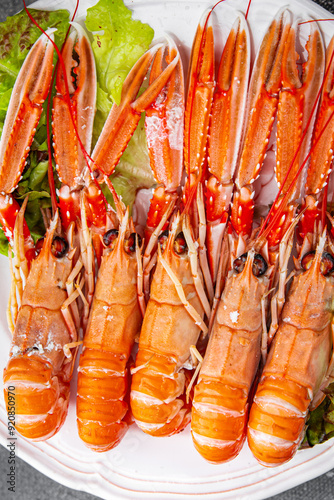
320, 424
3, 243
118, 42
133, 171
17, 35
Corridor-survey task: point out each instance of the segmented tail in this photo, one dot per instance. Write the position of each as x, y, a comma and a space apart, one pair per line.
219, 410
157, 395
41, 398
101, 409
277, 420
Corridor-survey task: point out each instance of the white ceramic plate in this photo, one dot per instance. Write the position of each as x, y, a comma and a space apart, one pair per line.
143, 467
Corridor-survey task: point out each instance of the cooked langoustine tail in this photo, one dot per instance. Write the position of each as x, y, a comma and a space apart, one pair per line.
172, 324
114, 323
41, 364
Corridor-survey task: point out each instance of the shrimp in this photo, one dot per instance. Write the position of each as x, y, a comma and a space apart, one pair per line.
118, 305
300, 360
172, 324
40, 366
114, 324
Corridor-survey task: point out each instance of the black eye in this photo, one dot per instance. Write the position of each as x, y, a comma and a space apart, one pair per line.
326, 266
130, 243
327, 263
162, 239
39, 246
59, 247
109, 237
259, 264
180, 244
239, 263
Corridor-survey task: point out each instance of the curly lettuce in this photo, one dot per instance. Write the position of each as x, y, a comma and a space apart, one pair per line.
118, 42
320, 424
17, 36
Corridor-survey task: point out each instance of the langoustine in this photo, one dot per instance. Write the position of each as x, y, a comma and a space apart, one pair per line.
158, 399
297, 365
114, 324
160, 379
46, 319
41, 364
300, 361
116, 314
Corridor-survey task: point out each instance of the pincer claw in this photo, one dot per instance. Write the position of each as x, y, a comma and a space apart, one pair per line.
24, 111
261, 110
76, 96
124, 118
23, 114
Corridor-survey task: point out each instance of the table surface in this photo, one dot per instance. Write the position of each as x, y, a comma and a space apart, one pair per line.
32, 485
